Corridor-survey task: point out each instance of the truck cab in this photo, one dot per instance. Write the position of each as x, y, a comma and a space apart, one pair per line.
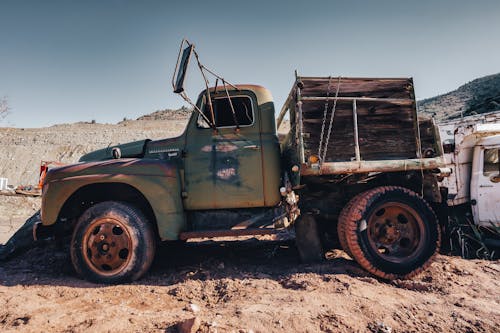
485, 182
237, 164
471, 153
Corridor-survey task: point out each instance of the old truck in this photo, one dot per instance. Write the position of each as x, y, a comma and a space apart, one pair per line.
356, 165
472, 189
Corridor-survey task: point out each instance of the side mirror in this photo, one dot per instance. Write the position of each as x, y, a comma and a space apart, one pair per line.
181, 66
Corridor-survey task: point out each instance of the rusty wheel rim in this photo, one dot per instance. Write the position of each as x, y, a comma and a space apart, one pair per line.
107, 246
395, 232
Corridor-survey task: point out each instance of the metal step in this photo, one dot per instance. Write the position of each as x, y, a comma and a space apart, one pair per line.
227, 233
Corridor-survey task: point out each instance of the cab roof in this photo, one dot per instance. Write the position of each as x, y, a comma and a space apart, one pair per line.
263, 94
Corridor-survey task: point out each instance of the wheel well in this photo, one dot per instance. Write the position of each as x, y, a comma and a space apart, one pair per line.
90, 195
325, 197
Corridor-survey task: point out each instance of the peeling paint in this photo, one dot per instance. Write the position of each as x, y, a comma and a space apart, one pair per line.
224, 147
226, 174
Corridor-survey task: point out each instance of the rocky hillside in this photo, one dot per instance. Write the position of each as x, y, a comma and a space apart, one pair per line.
168, 114
478, 96
24, 148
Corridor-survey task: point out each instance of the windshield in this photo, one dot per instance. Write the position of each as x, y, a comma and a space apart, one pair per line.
223, 113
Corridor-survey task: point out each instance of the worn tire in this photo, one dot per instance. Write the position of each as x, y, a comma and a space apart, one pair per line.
307, 239
341, 223
112, 243
391, 232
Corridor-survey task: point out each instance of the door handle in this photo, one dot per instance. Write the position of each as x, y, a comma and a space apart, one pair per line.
253, 147
485, 185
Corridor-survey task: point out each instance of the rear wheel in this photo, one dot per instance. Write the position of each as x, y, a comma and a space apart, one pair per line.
391, 232
112, 243
307, 239
341, 223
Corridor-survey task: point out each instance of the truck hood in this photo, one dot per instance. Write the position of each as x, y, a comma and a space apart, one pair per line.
115, 167
127, 150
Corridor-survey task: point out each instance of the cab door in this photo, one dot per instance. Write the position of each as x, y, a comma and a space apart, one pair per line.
223, 168
485, 186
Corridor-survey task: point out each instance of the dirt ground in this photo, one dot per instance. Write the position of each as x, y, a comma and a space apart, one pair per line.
249, 286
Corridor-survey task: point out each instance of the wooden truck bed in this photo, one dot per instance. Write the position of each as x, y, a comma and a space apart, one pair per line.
374, 127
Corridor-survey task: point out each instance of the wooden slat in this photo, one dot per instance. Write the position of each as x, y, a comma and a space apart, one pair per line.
335, 168
359, 87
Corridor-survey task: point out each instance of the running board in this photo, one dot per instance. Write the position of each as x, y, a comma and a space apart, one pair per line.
227, 233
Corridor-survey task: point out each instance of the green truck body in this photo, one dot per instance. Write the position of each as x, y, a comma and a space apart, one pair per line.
199, 170
232, 177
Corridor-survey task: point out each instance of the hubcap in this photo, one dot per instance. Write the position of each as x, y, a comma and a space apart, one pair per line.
395, 231
106, 246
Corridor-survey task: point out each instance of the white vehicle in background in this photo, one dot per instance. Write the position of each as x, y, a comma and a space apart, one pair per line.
471, 149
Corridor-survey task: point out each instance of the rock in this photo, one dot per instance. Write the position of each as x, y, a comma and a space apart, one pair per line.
379, 327
383, 328
190, 325
193, 308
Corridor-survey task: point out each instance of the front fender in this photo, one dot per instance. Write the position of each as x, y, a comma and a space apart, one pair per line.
158, 181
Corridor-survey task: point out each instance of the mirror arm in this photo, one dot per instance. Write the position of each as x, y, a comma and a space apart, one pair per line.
218, 77
232, 107
209, 98
215, 87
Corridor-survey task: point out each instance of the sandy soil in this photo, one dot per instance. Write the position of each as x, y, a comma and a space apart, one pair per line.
246, 286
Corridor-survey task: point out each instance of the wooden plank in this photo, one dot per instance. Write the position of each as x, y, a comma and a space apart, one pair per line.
339, 168
356, 133
399, 101
360, 87
385, 131
385, 117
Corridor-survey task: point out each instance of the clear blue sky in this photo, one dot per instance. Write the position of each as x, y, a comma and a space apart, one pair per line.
67, 60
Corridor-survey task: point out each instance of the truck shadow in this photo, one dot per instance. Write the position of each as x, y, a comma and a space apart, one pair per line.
179, 262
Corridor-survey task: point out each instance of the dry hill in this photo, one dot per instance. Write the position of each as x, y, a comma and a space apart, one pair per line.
478, 96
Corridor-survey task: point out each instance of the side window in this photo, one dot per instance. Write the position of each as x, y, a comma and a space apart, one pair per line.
223, 113
491, 164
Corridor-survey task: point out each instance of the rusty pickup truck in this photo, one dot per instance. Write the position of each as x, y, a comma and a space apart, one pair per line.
354, 166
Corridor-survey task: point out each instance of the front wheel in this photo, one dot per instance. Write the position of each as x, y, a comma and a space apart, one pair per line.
391, 232
112, 243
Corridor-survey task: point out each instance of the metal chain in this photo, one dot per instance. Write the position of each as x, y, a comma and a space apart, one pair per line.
322, 158
324, 116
